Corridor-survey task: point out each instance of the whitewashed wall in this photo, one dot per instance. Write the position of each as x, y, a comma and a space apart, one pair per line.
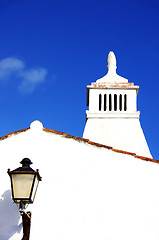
120, 132
86, 192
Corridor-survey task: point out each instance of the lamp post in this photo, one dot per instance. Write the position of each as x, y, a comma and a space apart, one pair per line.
24, 183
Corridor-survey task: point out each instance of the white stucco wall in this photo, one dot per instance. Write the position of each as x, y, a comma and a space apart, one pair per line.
86, 192
120, 132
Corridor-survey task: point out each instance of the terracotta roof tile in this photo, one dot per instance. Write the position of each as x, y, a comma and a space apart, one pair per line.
147, 159
54, 131
125, 152
12, 133
66, 135
99, 145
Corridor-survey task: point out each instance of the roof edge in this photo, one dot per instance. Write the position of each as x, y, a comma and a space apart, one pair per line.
12, 133
100, 145
66, 135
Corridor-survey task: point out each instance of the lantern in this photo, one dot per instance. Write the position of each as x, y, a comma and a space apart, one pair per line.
24, 183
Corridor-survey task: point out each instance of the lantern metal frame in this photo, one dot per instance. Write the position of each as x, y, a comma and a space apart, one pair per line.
25, 169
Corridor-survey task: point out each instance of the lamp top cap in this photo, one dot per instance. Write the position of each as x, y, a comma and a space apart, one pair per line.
26, 162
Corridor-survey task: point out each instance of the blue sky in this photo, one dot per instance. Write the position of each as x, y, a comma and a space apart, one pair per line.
51, 50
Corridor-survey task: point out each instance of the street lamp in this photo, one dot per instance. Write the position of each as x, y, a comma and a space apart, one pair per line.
24, 183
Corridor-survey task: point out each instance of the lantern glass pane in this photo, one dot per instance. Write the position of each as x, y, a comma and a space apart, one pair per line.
22, 184
34, 188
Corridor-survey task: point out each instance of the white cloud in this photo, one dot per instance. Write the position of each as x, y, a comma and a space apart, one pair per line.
32, 78
29, 78
9, 66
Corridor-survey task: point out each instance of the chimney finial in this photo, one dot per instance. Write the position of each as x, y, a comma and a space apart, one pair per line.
111, 62
111, 75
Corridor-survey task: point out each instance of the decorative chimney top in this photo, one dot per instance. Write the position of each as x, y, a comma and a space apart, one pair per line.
111, 62
112, 76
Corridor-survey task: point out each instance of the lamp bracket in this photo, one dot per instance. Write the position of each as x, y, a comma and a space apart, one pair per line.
26, 217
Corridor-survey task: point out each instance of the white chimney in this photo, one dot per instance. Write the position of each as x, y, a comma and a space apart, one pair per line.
112, 118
